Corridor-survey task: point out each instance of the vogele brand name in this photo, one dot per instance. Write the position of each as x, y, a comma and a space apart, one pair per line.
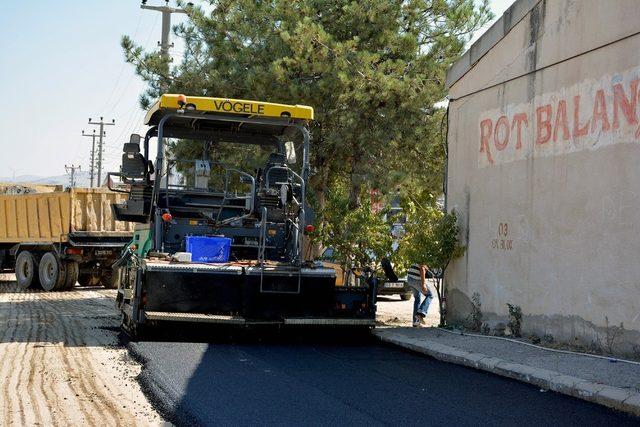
239, 107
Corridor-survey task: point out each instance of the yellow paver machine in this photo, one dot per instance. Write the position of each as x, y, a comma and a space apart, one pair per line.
222, 219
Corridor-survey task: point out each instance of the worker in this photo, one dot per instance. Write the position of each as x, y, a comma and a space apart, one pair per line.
417, 280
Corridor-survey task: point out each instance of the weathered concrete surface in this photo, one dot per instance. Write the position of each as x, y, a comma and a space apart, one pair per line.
615, 385
544, 143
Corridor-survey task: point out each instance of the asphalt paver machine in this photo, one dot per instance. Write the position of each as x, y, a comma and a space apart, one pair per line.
254, 220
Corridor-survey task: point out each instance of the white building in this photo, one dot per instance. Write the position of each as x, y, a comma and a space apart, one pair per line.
544, 170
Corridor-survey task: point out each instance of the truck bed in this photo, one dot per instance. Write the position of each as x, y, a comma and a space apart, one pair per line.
51, 217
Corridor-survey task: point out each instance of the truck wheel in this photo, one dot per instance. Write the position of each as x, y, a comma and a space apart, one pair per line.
26, 270
52, 274
88, 279
406, 297
71, 277
110, 278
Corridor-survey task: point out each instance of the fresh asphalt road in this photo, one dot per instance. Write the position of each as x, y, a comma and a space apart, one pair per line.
317, 380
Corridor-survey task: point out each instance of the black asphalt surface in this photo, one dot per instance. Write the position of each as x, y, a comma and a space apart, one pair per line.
319, 380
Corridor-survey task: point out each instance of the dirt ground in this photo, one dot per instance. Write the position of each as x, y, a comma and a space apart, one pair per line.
61, 362
394, 312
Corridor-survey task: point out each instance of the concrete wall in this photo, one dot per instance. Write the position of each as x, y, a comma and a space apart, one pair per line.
544, 172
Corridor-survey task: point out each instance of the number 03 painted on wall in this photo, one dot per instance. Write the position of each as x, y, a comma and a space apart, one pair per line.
502, 243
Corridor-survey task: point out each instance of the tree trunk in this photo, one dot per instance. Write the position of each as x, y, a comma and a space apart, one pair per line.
319, 184
355, 185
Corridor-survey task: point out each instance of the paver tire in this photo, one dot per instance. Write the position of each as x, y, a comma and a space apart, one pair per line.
72, 271
51, 272
26, 270
406, 297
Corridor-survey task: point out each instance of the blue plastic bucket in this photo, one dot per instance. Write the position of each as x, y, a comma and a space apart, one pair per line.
208, 249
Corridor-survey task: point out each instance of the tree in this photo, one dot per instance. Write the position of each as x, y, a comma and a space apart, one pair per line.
372, 69
431, 238
360, 237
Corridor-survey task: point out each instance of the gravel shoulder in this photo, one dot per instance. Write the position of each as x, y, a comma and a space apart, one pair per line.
62, 362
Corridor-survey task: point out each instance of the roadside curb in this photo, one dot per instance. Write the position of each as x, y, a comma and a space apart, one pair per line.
613, 397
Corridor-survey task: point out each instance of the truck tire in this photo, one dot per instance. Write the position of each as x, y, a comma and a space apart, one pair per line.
406, 296
51, 272
26, 270
72, 268
110, 278
88, 279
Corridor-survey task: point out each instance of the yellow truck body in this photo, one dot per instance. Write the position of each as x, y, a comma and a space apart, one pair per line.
51, 217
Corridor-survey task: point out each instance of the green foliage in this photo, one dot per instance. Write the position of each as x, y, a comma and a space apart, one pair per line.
372, 69
515, 320
359, 237
474, 320
431, 235
431, 238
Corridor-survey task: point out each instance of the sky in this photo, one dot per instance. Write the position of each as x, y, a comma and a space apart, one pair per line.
60, 64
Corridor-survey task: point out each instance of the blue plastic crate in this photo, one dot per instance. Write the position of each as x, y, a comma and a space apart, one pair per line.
208, 249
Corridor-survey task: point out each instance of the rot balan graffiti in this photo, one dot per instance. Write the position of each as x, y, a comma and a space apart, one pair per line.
589, 115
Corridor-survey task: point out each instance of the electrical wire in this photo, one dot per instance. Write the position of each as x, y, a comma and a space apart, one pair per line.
115, 86
130, 79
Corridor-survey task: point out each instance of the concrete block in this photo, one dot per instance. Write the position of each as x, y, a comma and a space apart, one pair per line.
489, 363
587, 389
565, 384
612, 397
631, 404
528, 374
475, 358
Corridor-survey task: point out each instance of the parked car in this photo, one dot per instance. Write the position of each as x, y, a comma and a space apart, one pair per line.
393, 285
390, 285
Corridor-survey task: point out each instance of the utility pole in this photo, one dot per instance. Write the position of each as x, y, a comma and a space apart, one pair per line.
72, 174
101, 135
92, 157
165, 44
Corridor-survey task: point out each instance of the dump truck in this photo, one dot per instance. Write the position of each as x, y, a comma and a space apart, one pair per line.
220, 231
59, 238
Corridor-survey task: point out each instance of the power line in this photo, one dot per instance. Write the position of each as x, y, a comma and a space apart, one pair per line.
101, 135
71, 171
122, 67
